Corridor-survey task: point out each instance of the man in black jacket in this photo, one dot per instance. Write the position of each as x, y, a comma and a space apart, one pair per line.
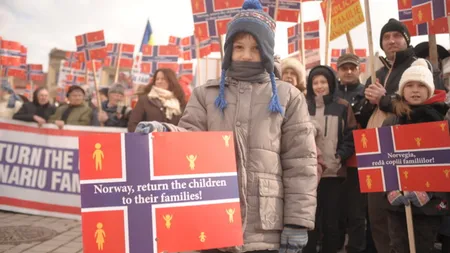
377, 106
354, 209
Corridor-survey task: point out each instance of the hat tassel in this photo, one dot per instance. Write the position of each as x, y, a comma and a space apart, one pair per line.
220, 102
274, 105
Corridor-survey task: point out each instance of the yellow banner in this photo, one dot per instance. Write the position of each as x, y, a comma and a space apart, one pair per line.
345, 15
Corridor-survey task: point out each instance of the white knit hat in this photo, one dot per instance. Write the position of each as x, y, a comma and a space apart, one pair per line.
297, 66
420, 72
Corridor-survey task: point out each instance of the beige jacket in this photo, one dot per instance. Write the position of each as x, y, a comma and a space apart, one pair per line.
276, 155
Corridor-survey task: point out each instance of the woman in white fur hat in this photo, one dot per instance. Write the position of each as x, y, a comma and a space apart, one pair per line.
293, 72
417, 102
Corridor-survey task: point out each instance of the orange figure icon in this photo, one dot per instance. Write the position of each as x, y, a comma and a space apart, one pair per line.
420, 15
100, 236
202, 237
191, 159
226, 138
98, 156
364, 140
230, 213
446, 173
369, 181
418, 140
406, 174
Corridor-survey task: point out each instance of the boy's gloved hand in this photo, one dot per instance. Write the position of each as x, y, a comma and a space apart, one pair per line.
418, 199
293, 240
396, 198
146, 127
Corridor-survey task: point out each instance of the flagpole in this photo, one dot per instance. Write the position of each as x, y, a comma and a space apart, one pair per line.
97, 90
197, 45
328, 33
116, 76
302, 35
448, 24
31, 89
221, 47
351, 49
432, 47
370, 40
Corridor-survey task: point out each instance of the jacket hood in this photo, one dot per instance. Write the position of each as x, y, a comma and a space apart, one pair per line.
319, 70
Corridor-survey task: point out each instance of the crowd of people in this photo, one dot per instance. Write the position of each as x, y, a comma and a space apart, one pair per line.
163, 99
295, 152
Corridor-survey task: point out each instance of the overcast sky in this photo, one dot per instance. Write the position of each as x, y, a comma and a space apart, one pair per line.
45, 24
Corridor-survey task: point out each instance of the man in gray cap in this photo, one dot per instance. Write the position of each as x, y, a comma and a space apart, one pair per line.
354, 204
114, 113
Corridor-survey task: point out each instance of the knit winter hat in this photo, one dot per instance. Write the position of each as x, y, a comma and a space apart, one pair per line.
394, 25
252, 20
297, 66
117, 88
419, 72
73, 88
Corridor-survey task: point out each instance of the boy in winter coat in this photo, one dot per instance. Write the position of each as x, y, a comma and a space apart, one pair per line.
275, 148
336, 119
417, 102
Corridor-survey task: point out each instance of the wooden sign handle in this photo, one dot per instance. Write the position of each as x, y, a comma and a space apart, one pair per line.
370, 40
410, 226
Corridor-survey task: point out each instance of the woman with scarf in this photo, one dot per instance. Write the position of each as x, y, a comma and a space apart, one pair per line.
164, 100
10, 102
39, 110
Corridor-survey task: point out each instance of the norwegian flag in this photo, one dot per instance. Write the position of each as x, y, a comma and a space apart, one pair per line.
174, 41
215, 215
72, 73
137, 63
186, 70
185, 78
413, 157
312, 36
189, 47
91, 46
10, 53
335, 54
425, 11
288, 10
155, 57
23, 55
72, 56
363, 61
61, 94
34, 72
437, 26
211, 18
125, 58
14, 71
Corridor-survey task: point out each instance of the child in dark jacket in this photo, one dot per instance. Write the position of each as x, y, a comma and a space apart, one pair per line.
335, 117
417, 102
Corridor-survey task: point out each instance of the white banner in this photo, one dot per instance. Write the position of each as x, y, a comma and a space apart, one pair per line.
39, 171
